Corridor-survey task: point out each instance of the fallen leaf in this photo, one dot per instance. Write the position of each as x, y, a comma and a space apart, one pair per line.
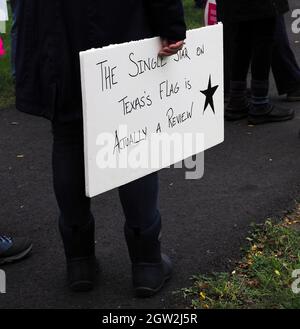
202, 295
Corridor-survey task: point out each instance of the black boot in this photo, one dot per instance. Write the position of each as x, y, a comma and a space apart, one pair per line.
150, 268
79, 244
238, 103
81, 273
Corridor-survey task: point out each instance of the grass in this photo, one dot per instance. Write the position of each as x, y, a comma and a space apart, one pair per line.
194, 19
193, 16
262, 279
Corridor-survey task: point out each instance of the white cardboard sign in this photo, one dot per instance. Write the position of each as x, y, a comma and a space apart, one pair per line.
3, 11
133, 99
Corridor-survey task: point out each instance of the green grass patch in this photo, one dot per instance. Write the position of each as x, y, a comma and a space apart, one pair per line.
193, 16
262, 279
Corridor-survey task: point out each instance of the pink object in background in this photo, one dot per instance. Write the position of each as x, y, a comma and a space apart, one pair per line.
210, 15
2, 50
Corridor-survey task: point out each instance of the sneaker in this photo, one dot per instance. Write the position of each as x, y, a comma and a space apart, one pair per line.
13, 249
293, 96
269, 113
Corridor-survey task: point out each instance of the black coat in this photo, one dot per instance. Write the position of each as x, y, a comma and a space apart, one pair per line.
243, 10
53, 32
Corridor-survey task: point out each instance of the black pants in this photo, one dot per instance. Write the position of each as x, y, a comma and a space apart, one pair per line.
285, 68
139, 198
253, 44
229, 34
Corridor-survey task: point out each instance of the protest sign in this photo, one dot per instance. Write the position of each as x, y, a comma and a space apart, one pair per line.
143, 112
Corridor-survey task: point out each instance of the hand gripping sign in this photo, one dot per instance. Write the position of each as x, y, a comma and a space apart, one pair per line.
143, 113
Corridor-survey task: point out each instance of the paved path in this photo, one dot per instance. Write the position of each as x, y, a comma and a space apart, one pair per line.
253, 175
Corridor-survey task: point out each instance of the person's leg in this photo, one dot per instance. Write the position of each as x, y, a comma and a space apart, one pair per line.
238, 105
142, 231
242, 52
285, 68
15, 6
76, 222
140, 202
263, 41
264, 32
230, 30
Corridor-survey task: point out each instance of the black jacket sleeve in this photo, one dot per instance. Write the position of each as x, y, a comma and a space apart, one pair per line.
167, 18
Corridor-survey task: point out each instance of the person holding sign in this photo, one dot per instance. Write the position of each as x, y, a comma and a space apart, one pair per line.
48, 85
255, 23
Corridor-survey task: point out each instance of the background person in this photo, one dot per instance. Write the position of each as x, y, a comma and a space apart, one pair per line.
13, 249
285, 68
284, 65
15, 7
255, 24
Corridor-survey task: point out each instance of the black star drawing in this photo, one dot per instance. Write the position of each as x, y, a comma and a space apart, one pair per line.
209, 93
